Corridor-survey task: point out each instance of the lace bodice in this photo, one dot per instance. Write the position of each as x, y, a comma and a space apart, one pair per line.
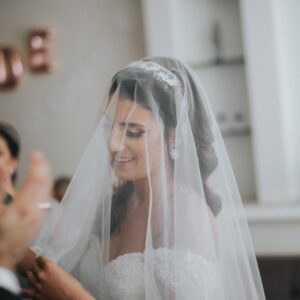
125, 275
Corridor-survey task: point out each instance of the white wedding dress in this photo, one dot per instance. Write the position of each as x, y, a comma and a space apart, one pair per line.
125, 274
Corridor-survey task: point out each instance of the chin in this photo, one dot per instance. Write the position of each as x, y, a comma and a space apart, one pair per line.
126, 176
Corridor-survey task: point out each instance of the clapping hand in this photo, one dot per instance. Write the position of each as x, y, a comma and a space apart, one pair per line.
21, 220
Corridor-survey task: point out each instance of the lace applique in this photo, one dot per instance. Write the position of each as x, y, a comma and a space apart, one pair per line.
125, 277
186, 270
157, 70
178, 271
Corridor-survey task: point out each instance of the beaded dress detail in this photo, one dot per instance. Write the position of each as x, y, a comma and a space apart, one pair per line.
125, 275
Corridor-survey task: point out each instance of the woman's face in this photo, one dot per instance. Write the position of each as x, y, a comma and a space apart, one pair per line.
135, 137
6, 160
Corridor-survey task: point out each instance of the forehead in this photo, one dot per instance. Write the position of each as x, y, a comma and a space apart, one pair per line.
126, 110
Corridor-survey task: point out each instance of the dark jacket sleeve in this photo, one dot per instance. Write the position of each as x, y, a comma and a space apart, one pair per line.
6, 295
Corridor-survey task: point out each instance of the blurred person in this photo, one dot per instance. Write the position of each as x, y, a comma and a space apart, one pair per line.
60, 186
9, 157
20, 221
153, 210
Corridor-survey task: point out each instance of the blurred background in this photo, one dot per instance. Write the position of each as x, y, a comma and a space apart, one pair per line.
59, 56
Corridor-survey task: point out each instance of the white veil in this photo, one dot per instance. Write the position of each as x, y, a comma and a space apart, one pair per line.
153, 210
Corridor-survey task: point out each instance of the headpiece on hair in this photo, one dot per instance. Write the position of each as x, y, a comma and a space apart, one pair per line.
158, 71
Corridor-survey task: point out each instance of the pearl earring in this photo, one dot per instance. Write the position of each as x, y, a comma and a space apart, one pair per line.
173, 152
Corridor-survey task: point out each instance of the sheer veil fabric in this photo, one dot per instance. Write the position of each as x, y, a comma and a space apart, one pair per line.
153, 210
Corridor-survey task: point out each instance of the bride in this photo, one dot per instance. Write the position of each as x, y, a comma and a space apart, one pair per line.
153, 210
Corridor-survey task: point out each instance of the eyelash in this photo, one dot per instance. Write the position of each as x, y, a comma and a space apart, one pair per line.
134, 134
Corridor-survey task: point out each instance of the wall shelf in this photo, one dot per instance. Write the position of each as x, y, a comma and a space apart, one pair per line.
226, 62
236, 132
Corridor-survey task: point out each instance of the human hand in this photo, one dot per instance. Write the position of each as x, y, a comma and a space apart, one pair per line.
20, 221
6, 186
50, 282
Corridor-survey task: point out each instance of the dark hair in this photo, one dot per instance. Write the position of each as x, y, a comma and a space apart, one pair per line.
61, 182
60, 186
12, 139
131, 83
136, 83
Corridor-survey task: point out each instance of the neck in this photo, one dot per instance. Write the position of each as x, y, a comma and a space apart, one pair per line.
146, 187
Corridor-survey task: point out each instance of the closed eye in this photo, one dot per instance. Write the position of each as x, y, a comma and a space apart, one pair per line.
134, 133
134, 130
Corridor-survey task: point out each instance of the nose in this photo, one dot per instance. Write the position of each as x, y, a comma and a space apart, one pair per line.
116, 140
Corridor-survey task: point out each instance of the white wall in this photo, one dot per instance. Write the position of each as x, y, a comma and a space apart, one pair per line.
272, 44
272, 50
194, 26
287, 25
183, 28
57, 112
267, 34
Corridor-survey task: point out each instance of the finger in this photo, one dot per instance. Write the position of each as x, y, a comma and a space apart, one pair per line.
36, 270
3, 207
33, 281
26, 293
37, 183
35, 190
42, 261
31, 294
4, 175
4, 180
38, 296
39, 273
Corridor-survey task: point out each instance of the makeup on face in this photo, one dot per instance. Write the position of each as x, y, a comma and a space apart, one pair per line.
134, 136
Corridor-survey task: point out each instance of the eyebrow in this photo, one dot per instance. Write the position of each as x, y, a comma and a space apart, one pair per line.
130, 124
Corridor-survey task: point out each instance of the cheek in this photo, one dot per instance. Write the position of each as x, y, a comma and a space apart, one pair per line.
142, 152
151, 152
139, 149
